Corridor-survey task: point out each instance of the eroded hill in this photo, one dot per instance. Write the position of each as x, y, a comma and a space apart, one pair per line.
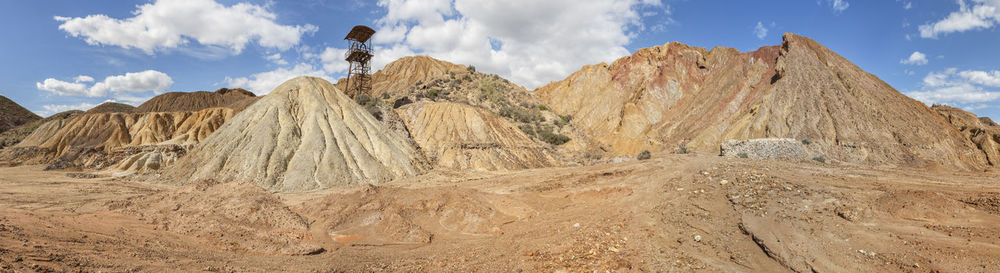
671, 96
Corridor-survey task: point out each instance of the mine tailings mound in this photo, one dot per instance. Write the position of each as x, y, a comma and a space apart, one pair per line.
13, 114
460, 136
674, 95
304, 135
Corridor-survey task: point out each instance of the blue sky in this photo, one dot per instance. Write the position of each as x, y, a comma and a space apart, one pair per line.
64, 54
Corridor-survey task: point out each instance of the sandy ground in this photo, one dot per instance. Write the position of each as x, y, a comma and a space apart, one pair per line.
673, 213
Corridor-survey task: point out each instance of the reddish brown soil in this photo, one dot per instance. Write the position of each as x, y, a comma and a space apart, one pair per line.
673, 213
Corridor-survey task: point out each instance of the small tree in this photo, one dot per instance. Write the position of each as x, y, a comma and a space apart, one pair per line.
644, 155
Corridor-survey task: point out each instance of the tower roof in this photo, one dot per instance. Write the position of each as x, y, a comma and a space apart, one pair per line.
360, 33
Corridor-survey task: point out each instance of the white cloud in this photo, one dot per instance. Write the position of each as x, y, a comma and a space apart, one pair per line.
982, 14
264, 82
333, 60
760, 31
149, 80
916, 58
83, 78
276, 59
960, 89
838, 6
50, 109
166, 24
530, 42
62, 88
987, 78
909, 5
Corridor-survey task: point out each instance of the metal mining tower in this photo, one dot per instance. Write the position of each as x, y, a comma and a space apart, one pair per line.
359, 55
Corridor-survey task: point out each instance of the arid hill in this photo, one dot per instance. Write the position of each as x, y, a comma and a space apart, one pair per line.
111, 107
304, 135
460, 136
13, 114
672, 96
427, 81
980, 130
86, 140
15, 135
236, 99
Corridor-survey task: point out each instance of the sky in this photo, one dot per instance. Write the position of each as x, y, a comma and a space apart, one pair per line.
59, 55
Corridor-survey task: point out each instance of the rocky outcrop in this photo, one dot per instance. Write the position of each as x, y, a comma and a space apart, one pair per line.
666, 96
459, 136
304, 135
981, 131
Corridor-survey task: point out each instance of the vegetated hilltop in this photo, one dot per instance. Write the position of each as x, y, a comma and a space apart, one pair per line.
13, 114
304, 135
236, 99
676, 96
111, 107
980, 130
15, 135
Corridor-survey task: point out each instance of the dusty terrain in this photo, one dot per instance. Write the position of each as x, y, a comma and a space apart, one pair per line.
672, 213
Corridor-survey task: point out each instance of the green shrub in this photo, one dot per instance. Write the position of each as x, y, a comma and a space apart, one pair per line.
493, 90
364, 100
820, 159
432, 94
545, 133
543, 107
742, 155
527, 129
806, 141
471, 69
525, 115
643, 155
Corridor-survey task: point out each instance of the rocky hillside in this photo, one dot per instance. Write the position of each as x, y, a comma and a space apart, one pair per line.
15, 135
982, 131
236, 99
424, 79
676, 96
460, 136
13, 114
304, 135
123, 137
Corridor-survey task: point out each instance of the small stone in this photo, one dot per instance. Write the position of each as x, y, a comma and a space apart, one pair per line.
697, 238
576, 225
723, 182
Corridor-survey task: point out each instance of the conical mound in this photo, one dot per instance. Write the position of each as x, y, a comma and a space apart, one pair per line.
305, 135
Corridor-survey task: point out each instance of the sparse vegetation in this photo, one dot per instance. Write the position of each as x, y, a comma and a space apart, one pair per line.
742, 155
432, 94
683, 149
545, 134
542, 107
520, 114
820, 159
806, 141
493, 90
644, 155
563, 120
471, 69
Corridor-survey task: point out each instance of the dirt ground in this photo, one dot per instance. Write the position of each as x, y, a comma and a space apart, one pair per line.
672, 213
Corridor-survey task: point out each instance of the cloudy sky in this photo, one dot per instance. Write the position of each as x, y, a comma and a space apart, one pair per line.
65, 54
